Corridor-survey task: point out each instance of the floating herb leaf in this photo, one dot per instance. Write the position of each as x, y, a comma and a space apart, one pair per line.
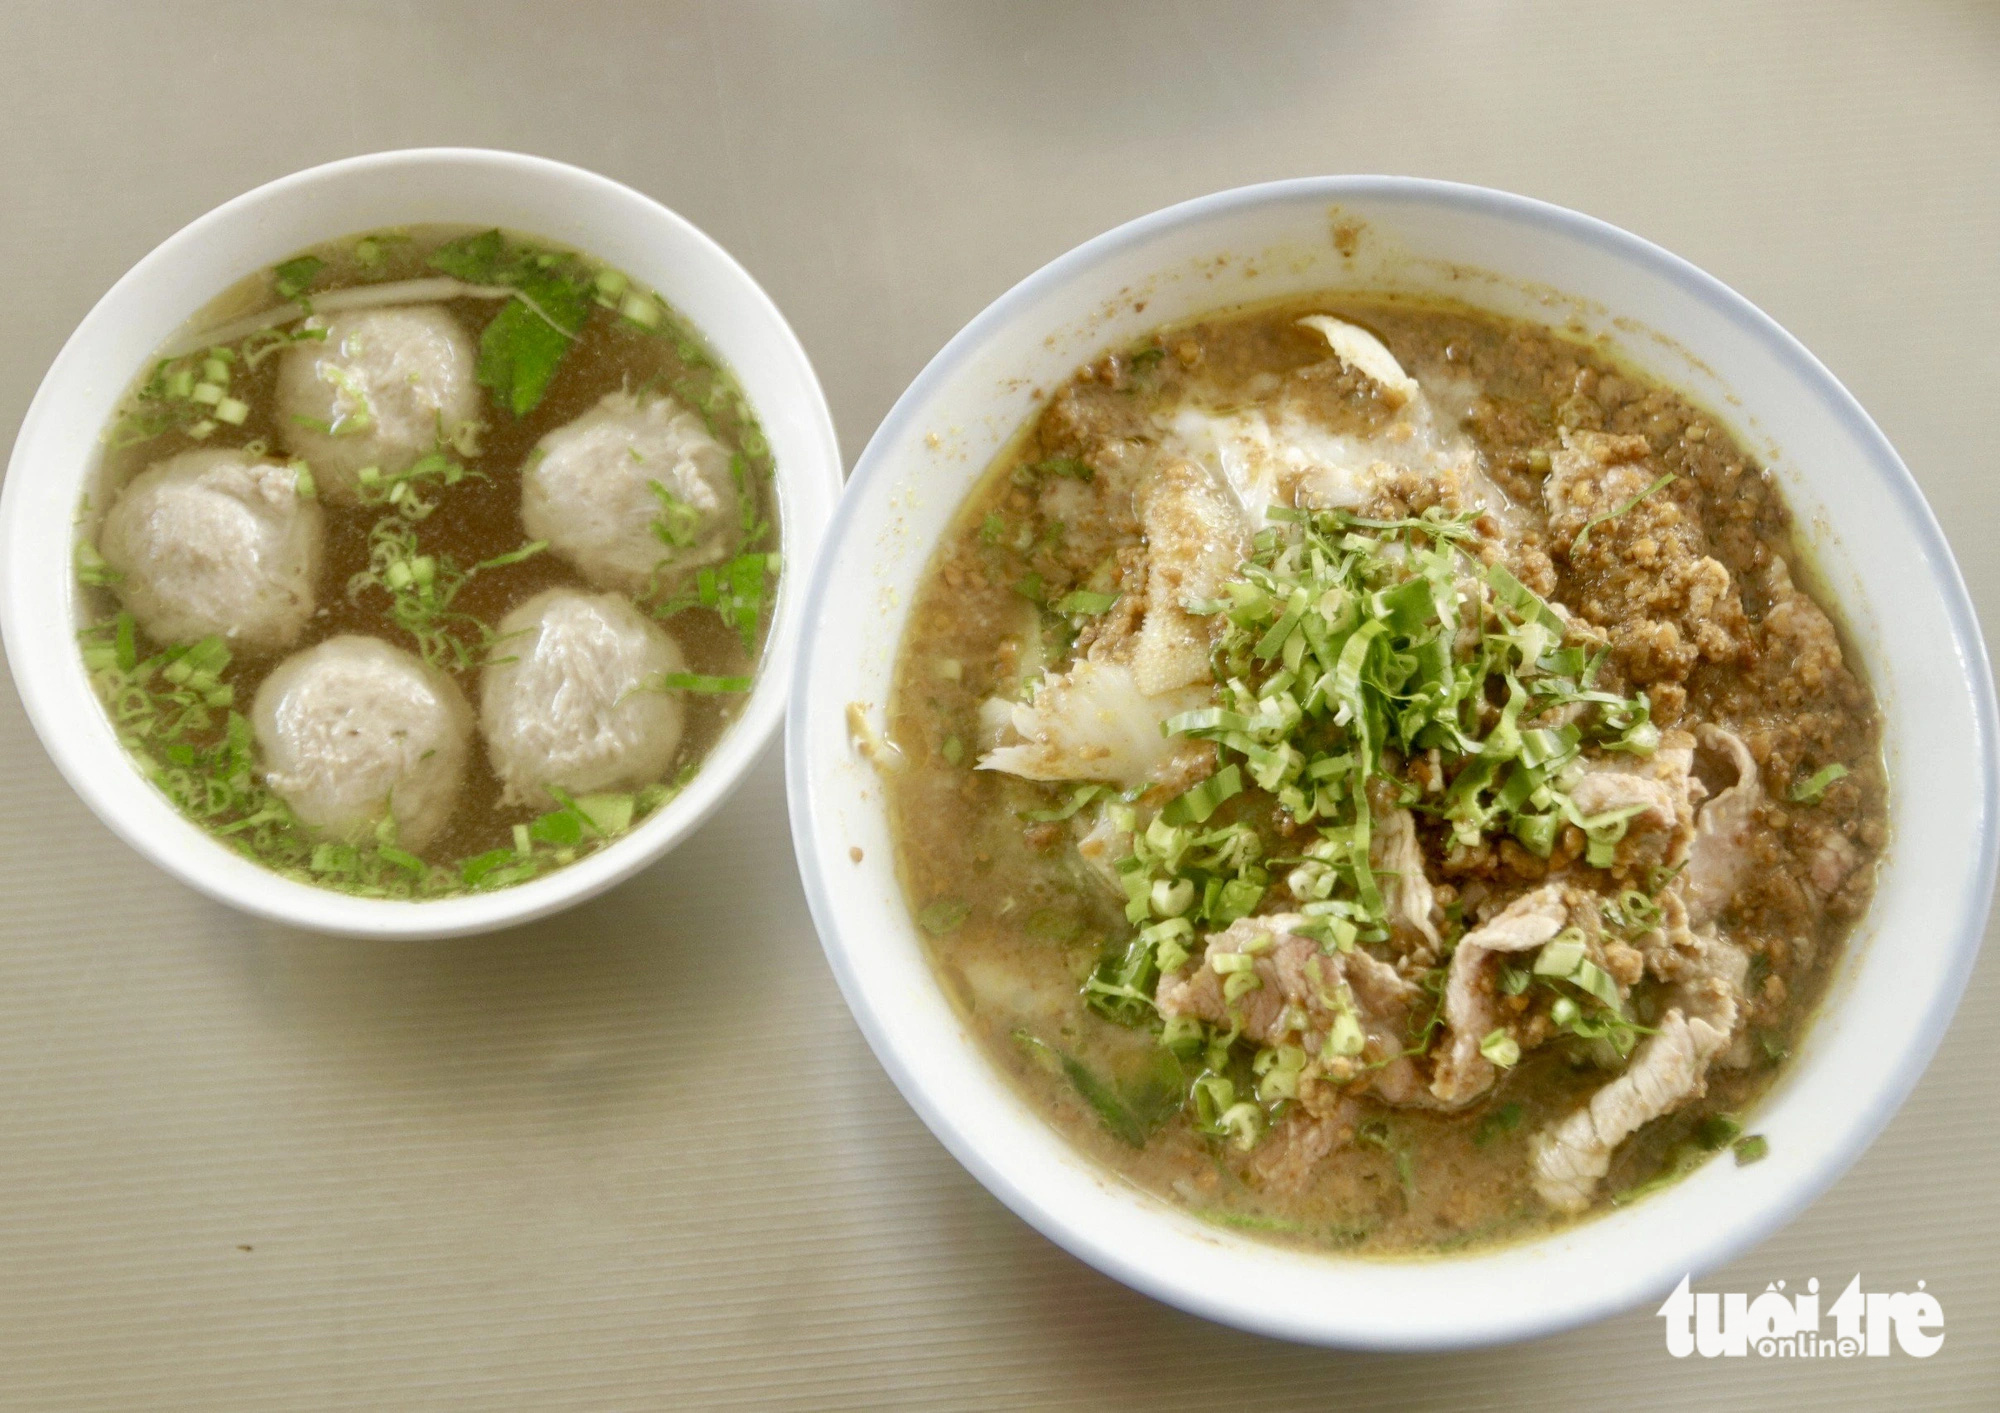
295, 276
524, 344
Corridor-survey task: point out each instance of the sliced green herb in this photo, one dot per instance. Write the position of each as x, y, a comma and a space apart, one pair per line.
1750, 1150
1809, 790
524, 344
1084, 603
295, 276
1583, 536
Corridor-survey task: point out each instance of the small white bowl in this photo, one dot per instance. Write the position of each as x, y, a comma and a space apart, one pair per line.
58, 449
1879, 552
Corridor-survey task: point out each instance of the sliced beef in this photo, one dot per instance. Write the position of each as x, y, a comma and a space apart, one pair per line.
1470, 1006
1719, 858
1398, 861
1297, 998
1662, 787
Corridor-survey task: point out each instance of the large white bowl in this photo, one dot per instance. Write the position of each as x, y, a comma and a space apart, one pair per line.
1874, 539
58, 449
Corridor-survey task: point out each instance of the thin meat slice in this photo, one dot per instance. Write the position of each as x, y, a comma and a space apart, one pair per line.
1399, 861
1470, 1008
1705, 1012
1662, 788
1301, 990
1285, 1160
1570, 1158
1719, 857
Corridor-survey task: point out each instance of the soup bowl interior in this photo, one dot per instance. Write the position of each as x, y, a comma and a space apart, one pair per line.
59, 445
1861, 523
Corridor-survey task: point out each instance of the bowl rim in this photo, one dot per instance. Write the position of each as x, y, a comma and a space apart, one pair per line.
807, 486
1702, 1251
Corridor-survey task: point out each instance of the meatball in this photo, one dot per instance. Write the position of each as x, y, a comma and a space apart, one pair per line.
215, 542
354, 729
572, 707
635, 493
385, 387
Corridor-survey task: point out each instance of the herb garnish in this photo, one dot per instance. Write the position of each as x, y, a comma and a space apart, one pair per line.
1583, 536
295, 276
1346, 642
1809, 791
528, 339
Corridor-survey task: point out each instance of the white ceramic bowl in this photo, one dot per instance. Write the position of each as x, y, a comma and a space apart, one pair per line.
58, 449
1873, 537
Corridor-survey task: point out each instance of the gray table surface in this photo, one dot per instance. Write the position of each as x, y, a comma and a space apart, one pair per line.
639, 1156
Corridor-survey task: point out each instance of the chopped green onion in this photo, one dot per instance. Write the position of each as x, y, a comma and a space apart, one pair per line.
1084, 602
1501, 1048
1752, 1149
1082, 796
513, 556
1560, 957
640, 310
1808, 791
1195, 805
295, 276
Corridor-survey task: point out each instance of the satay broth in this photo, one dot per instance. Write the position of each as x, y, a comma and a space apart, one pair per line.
460, 510
1062, 964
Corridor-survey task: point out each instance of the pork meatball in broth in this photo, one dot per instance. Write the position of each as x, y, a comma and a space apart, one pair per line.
215, 542
575, 703
634, 493
384, 388
353, 730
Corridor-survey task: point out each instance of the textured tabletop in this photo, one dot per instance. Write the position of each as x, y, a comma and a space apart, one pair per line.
638, 1156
